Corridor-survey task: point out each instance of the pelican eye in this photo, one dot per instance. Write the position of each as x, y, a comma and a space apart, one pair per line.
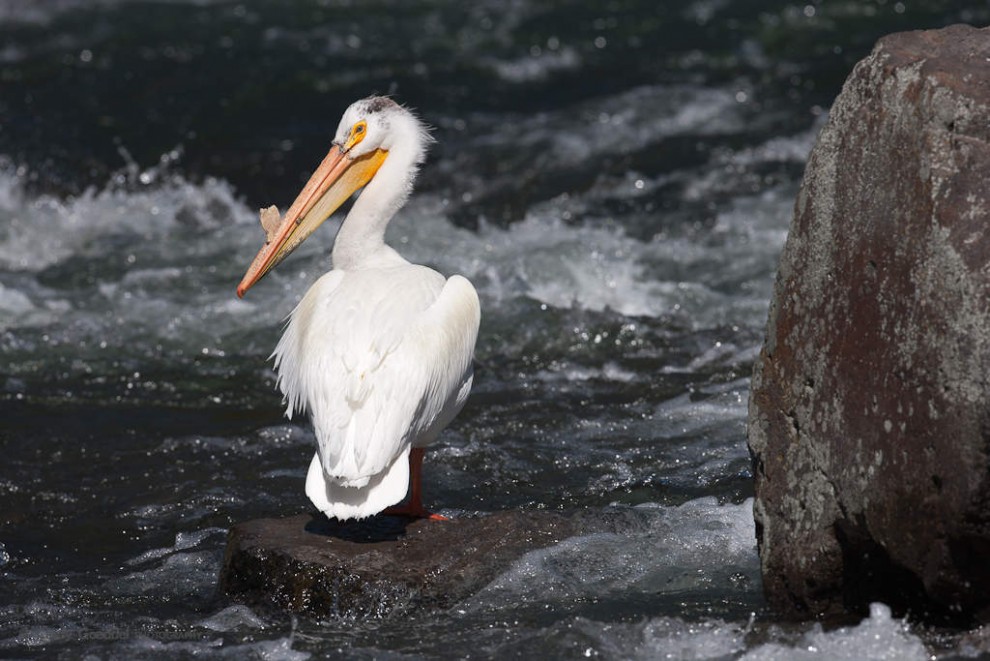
358, 132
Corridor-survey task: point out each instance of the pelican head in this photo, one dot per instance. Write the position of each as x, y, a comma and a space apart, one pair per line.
369, 131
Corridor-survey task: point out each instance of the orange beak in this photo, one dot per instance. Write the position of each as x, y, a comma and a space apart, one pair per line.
331, 185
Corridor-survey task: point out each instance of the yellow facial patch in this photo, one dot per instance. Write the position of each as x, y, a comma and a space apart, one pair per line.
358, 131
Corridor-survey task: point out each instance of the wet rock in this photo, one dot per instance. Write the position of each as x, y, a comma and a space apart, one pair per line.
379, 566
869, 418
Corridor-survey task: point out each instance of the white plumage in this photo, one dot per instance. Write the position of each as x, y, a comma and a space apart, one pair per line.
379, 351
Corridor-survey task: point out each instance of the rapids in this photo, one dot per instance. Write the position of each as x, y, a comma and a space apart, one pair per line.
616, 182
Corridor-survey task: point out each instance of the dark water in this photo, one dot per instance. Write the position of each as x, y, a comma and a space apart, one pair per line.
616, 178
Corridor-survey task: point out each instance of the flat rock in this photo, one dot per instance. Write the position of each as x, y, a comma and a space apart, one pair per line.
380, 566
869, 420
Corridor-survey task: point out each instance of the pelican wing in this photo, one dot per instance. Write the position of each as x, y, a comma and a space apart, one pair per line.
381, 359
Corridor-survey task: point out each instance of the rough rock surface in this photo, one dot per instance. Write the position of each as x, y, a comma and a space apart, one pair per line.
380, 566
869, 420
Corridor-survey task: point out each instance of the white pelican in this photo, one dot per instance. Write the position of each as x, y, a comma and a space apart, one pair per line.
379, 350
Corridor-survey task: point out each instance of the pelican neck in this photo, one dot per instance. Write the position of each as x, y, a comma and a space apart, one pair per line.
360, 242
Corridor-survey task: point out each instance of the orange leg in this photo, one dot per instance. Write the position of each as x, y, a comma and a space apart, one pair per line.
414, 507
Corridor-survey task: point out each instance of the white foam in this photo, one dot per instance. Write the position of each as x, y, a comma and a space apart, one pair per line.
545, 259
702, 11
693, 546
598, 267
640, 116
183, 541
794, 148
879, 637
610, 371
536, 67
233, 618
43, 13
37, 232
163, 258
180, 575
38, 623
41, 635
16, 309
564, 255
279, 649
710, 407
178, 571
663, 638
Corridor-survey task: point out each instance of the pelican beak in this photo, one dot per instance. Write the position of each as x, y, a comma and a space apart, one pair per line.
338, 176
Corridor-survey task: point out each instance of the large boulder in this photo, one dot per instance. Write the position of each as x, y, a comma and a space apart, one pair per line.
869, 421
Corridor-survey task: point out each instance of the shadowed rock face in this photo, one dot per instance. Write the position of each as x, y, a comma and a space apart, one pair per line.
380, 566
869, 419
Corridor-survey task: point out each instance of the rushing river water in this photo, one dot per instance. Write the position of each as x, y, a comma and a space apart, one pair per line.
616, 178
